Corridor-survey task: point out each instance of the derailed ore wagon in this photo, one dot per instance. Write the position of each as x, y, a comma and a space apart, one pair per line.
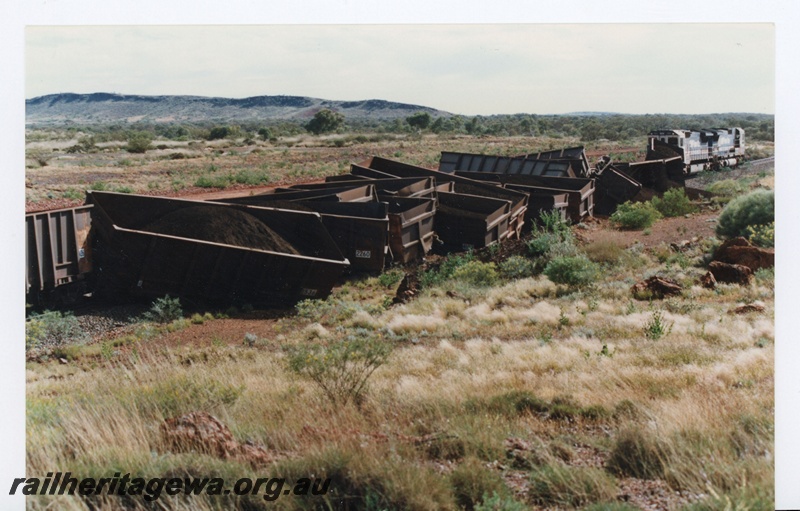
213, 252
461, 185
360, 229
58, 250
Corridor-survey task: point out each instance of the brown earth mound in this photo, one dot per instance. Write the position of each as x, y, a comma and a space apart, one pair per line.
221, 225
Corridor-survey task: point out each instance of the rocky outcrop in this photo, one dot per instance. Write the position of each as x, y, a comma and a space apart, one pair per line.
742, 252
202, 432
731, 273
708, 281
655, 287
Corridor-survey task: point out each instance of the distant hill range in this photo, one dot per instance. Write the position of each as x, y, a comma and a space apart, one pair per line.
104, 107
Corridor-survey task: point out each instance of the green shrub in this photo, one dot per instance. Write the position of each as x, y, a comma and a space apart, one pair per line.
164, 310
446, 269
754, 209
213, 181
218, 132
340, 368
391, 278
516, 267
573, 271
656, 327
139, 142
477, 273
541, 243
550, 221
635, 216
673, 203
762, 235
571, 486
52, 328
472, 481
251, 177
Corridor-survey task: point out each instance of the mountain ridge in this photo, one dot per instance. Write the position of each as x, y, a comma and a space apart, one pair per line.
99, 107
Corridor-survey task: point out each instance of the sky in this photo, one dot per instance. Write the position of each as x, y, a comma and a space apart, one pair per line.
464, 69
723, 63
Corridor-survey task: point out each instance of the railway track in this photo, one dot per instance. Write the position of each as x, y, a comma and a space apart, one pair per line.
763, 162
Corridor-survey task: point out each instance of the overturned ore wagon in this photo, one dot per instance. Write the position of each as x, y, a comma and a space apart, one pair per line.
359, 229
58, 254
580, 191
462, 185
152, 246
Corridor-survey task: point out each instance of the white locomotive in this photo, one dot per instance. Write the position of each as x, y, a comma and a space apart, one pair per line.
709, 149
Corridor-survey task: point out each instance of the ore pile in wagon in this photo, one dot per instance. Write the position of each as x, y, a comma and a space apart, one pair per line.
152, 246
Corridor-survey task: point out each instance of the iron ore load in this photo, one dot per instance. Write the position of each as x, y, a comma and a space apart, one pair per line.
298, 242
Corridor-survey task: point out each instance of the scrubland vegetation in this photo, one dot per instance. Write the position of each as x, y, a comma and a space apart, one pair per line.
519, 377
64, 161
516, 378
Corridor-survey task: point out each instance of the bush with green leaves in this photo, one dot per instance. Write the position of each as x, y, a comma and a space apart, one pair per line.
539, 245
573, 271
139, 142
391, 278
446, 269
553, 237
516, 267
762, 235
675, 202
340, 368
164, 310
657, 327
755, 208
325, 121
551, 221
635, 215
52, 328
477, 273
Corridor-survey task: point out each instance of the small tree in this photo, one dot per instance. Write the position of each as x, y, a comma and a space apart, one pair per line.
340, 368
419, 120
265, 134
139, 142
325, 121
219, 132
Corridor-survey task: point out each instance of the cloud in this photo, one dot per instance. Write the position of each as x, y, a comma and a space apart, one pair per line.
468, 69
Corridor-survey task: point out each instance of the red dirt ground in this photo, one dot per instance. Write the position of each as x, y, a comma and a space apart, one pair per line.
666, 230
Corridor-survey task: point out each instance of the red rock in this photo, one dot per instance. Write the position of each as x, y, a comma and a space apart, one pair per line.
740, 251
202, 432
708, 281
731, 273
656, 287
748, 307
